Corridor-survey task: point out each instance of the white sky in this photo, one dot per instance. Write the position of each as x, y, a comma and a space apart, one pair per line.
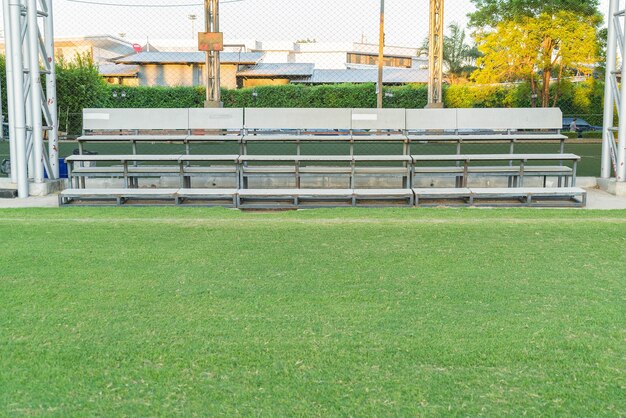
324, 20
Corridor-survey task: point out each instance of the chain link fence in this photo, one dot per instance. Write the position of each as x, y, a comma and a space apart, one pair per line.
284, 53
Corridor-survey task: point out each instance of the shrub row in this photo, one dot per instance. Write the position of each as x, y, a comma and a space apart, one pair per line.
79, 86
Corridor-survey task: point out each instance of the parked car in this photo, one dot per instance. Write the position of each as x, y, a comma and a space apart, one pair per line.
583, 125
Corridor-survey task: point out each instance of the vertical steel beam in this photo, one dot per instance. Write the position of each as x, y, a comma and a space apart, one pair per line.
35, 90
51, 91
8, 46
610, 96
620, 175
21, 165
381, 55
435, 54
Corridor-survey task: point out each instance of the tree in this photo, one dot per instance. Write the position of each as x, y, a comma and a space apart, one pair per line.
493, 12
459, 58
535, 47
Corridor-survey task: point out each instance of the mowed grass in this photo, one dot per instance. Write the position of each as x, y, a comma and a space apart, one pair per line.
166, 311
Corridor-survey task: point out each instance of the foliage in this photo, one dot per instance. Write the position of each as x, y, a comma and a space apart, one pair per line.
333, 96
154, 97
493, 12
79, 86
536, 48
459, 57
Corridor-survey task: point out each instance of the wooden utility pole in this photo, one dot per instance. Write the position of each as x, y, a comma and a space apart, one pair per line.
435, 55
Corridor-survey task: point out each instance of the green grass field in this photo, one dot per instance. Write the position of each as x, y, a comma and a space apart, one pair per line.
166, 311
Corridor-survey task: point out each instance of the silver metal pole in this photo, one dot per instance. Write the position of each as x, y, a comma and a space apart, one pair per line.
621, 133
8, 46
35, 91
381, 55
609, 97
18, 103
51, 92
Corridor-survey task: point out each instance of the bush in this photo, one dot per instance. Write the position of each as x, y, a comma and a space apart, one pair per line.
80, 86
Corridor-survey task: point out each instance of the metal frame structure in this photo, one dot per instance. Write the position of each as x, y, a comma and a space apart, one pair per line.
614, 154
29, 43
435, 54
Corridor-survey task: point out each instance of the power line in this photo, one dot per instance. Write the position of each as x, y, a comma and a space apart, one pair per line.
156, 6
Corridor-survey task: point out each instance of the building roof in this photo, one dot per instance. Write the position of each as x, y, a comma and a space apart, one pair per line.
108, 42
366, 75
275, 70
118, 70
189, 58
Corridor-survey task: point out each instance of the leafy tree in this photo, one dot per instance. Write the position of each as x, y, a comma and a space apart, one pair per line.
536, 48
493, 12
459, 58
79, 85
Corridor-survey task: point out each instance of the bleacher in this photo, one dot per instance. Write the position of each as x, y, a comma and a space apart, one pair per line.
324, 158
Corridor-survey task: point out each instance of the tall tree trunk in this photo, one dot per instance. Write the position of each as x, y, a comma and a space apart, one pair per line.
545, 100
533, 92
558, 87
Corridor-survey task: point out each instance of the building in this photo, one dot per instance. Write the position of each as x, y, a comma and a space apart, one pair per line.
100, 48
185, 68
251, 63
324, 55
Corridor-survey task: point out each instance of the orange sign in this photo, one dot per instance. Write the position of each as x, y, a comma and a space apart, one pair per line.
210, 41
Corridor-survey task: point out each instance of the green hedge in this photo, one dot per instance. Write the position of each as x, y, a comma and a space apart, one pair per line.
80, 86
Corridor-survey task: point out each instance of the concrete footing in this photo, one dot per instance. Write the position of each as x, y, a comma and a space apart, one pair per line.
613, 187
37, 189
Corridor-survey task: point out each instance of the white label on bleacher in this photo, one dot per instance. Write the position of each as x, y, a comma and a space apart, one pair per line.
364, 116
97, 116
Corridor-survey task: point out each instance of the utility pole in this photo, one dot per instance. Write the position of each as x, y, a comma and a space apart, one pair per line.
212, 48
381, 55
435, 55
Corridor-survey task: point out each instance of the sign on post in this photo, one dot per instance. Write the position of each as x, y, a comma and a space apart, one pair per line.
210, 41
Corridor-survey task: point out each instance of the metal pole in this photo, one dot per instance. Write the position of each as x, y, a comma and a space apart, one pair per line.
216, 55
8, 46
51, 93
621, 133
435, 54
35, 91
609, 98
381, 55
208, 74
18, 101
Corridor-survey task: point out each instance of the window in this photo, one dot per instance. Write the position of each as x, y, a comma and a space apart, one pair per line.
367, 59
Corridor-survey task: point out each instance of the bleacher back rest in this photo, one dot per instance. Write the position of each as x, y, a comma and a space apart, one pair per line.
140, 119
502, 119
301, 118
201, 118
388, 119
430, 119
